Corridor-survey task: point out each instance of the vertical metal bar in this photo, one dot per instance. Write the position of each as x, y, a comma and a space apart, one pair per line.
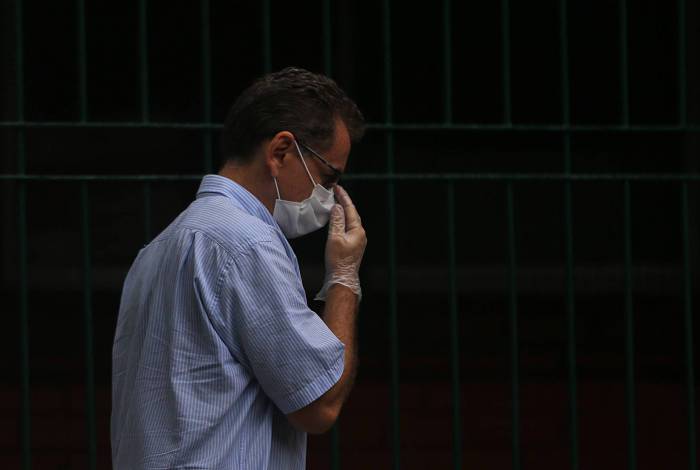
629, 333
454, 328
569, 237
391, 217
682, 71
624, 67
23, 309
82, 59
564, 60
688, 314
328, 68
147, 223
266, 36
25, 404
327, 38
19, 70
570, 309
393, 318
513, 308
447, 59
335, 447
505, 61
87, 323
206, 82
143, 59
388, 86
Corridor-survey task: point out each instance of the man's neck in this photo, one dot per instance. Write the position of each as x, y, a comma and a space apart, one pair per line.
249, 177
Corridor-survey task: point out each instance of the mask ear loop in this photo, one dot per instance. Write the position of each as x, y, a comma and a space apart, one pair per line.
304, 162
279, 196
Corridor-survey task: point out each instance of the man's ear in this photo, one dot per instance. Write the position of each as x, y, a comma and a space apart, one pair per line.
277, 149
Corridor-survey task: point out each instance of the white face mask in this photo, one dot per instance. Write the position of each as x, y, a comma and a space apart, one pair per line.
299, 218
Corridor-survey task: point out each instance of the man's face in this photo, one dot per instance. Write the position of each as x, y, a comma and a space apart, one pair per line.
294, 182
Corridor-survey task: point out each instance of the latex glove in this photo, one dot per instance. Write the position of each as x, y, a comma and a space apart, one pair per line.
344, 247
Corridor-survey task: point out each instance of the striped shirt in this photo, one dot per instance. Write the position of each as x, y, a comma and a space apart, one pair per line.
215, 343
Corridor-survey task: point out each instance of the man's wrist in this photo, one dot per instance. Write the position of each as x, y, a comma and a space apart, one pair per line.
350, 283
342, 293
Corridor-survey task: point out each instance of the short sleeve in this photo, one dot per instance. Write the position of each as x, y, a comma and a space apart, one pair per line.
290, 350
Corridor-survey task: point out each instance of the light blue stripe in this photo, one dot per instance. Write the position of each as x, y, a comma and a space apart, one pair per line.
215, 343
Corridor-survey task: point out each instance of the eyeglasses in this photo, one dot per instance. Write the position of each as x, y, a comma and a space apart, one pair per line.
336, 172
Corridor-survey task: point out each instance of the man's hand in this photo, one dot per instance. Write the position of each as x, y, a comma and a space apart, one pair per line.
345, 246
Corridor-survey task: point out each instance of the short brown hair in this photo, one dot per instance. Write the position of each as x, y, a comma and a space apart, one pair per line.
293, 99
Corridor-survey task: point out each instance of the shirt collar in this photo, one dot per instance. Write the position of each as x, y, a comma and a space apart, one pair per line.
243, 198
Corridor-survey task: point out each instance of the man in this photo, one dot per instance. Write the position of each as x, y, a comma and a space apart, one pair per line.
218, 363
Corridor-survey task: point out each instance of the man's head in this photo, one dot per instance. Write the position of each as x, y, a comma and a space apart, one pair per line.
278, 111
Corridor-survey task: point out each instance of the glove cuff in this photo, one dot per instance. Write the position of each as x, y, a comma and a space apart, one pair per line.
353, 286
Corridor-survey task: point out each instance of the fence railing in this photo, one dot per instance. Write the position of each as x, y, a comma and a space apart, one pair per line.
510, 184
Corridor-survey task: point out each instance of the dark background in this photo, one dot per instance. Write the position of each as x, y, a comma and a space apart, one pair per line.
176, 90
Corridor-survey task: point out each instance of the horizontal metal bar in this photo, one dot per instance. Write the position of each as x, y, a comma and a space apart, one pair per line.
109, 125
415, 126
70, 178
485, 278
553, 177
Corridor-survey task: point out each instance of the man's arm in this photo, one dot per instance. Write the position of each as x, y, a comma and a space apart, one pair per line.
340, 316
344, 250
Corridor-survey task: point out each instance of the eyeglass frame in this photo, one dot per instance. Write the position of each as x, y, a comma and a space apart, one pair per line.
336, 172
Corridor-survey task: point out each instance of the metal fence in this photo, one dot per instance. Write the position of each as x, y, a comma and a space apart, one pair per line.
562, 132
